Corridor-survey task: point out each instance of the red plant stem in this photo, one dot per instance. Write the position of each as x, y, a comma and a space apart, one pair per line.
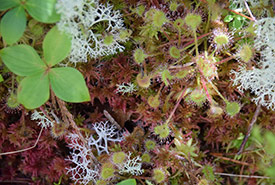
224, 60
183, 39
240, 14
231, 160
174, 110
166, 34
200, 37
205, 89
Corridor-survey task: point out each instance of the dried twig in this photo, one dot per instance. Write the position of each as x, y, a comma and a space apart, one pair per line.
249, 11
232, 160
254, 119
111, 119
67, 116
23, 150
244, 176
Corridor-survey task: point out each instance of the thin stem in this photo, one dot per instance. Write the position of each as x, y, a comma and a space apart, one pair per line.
186, 46
249, 11
12, 83
176, 106
196, 43
179, 41
167, 36
240, 14
217, 91
181, 66
23, 150
207, 29
254, 119
111, 119
244, 176
224, 60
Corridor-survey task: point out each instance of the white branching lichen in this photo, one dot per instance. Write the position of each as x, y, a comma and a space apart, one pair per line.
126, 88
265, 40
82, 171
261, 81
104, 133
95, 28
43, 121
131, 166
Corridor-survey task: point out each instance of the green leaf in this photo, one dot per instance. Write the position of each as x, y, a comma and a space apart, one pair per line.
22, 60
165, 76
128, 182
237, 24
68, 84
232, 108
240, 18
43, 10
56, 46
270, 143
1, 78
228, 18
208, 172
6, 4
34, 90
13, 25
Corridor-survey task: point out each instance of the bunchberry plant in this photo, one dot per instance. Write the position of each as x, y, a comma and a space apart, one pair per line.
34, 90
14, 22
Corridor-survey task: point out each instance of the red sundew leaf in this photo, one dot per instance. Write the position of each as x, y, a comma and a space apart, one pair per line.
20, 135
36, 162
96, 116
91, 74
3, 133
8, 172
57, 168
47, 143
96, 93
118, 103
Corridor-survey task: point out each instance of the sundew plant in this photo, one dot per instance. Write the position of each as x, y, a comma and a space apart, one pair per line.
126, 92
